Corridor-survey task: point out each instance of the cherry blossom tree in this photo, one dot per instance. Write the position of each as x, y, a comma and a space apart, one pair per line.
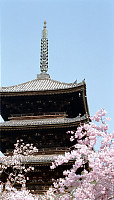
96, 178
13, 169
15, 194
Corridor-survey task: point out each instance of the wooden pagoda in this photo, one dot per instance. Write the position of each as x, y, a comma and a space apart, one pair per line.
41, 111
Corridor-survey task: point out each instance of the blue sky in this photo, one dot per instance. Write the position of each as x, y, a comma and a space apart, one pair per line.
81, 45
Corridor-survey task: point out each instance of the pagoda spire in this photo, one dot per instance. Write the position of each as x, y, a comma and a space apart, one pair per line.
44, 50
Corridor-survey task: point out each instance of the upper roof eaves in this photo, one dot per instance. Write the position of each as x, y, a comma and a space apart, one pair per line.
40, 85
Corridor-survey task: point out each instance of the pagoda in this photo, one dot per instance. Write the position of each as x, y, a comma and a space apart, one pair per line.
41, 111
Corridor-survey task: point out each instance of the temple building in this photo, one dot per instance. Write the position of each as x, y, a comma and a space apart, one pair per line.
41, 111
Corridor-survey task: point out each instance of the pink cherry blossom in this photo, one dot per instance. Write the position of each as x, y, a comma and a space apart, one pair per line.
96, 180
15, 162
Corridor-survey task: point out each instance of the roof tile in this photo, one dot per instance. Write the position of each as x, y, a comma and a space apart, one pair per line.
42, 121
40, 85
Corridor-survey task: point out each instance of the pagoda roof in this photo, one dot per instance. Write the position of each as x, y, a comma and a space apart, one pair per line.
44, 159
52, 121
41, 158
36, 159
40, 84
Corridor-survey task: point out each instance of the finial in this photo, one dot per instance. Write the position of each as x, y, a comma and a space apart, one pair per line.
45, 31
45, 24
44, 50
